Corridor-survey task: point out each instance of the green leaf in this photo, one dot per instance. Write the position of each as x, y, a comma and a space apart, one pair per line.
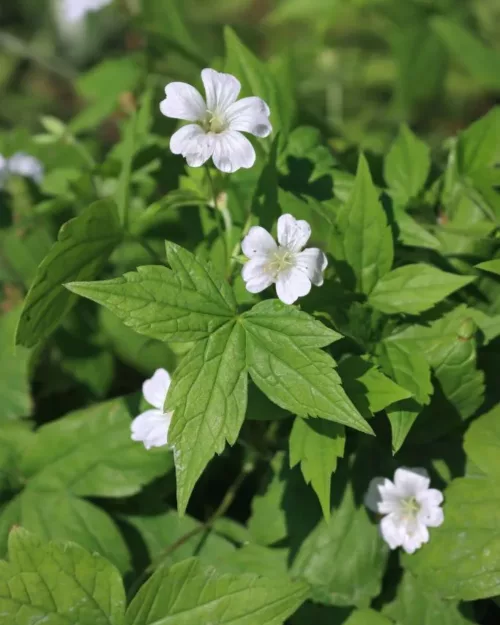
365, 239
478, 146
415, 604
209, 397
285, 362
461, 559
493, 266
14, 371
189, 593
482, 442
83, 247
407, 165
450, 349
90, 453
481, 62
123, 188
343, 559
380, 391
414, 288
317, 444
57, 515
257, 80
58, 583
412, 233
161, 531
368, 617
185, 303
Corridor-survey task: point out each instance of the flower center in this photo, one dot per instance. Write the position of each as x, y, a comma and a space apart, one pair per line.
281, 259
214, 122
410, 507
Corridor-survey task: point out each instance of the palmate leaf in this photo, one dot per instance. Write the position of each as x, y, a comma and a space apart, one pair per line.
185, 303
278, 345
58, 583
190, 593
83, 247
90, 453
209, 398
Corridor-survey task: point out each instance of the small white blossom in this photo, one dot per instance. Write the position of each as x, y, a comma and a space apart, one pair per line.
409, 507
151, 427
22, 164
286, 265
218, 122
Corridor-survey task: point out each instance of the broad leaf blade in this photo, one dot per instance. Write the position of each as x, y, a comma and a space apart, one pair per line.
414, 288
317, 444
14, 371
208, 396
83, 246
58, 583
189, 593
482, 442
185, 303
365, 240
90, 453
285, 362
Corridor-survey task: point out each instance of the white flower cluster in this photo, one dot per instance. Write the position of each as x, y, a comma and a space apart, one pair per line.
21, 164
72, 12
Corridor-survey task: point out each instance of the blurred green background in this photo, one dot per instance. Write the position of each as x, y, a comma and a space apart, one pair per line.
359, 67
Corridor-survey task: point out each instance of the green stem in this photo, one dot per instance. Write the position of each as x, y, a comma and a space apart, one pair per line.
226, 216
203, 527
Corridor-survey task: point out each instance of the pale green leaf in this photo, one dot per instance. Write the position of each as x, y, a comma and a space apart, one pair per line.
185, 303
57, 515
407, 165
367, 617
14, 371
478, 146
285, 362
416, 604
58, 584
493, 266
414, 288
90, 453
412, 233
343, 559
83, 247
482, 442
317, 444
209, 397
365, 239
190, 593
461, 560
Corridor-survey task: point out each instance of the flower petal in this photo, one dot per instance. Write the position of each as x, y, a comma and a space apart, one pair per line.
22, 164
156, 388
373, 498
232, 151
258, 242
293, 233
313, 263
392, 531
256, 275
411, 482
193, 143
250, 115
183, 102
415, 537
431, 516
151, 428
292, 284
221, 90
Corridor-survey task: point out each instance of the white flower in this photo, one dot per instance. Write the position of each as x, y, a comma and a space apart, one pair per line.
285, 264
218, 121
409, 507
151, 427
22, 164
4, 170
